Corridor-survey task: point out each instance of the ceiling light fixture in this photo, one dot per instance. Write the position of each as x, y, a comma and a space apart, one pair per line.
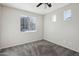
45, 5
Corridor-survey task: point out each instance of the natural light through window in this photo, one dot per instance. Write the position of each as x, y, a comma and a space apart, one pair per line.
54, 18
67, 15
28, 24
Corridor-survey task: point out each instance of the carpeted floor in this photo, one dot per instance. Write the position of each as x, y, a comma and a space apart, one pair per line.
38, 48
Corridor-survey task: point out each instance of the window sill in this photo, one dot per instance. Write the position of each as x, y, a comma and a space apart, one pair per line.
29, 31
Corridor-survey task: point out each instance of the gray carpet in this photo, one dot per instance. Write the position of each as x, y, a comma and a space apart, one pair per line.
38, 48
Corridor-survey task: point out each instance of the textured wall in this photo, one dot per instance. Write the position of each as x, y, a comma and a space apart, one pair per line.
10, 28
65, 33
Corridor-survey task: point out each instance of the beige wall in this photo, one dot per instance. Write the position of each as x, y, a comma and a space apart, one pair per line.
64, 33
10, 28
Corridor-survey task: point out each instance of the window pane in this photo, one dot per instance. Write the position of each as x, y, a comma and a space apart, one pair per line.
28, 23
32, 23
67, 15
54, 18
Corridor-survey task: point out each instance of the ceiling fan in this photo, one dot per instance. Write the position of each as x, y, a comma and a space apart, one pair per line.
48, 4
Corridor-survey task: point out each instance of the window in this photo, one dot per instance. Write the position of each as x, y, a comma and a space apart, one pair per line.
54, 18
67, 15
28, 23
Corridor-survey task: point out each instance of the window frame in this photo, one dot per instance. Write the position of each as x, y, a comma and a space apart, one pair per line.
54, 18
67, 17
33, 19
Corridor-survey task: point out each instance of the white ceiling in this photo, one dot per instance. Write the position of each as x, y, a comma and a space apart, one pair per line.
31, 7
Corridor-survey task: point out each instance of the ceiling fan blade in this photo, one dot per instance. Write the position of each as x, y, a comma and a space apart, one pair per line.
39, 4
49, 4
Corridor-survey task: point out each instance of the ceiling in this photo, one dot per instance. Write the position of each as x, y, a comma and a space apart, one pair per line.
31, 7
